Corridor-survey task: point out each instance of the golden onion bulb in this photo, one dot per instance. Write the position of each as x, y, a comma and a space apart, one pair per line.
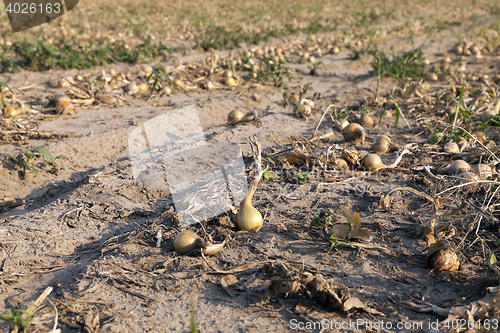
382, 144
188, 241
354, 132
372, 162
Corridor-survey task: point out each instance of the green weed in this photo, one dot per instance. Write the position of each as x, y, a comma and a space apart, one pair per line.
158, 73
324, 220
2, 97
192, 322
67, 54
364, 110
15, 319
275, 72
466, 113
302, 93
220, 38
303, 177
409, 64
26, 161
399, 113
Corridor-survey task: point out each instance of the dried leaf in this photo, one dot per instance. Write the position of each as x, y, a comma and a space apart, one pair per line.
357, 232
340, 231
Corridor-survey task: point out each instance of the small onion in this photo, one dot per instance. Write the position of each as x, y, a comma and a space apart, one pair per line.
307, 102
294, 99
65, 82
441, 258
65, 108
62, 98
486, 115
227, 73
372, 162
165, 91
304, 111
10, 112
132, 88
209, 85
354, 132
178, 82
230, 82
481, 137
457, 167
340, 164
143, 88
235, 117
451, 147
432, 77
366, 121
382, 144
188, 241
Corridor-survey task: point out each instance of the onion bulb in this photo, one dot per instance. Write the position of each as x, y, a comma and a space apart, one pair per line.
304, 111
457, 167
188, 241
340, 164
354, 132
236, 116
480, 136
230, 82
486, 115
143, 88
307, 102
441, 258
10, 112
65, 108
451, 147
165, 91
294, 99
365, 121
372, 162
382, 144
132, 88
248, 217
178, 82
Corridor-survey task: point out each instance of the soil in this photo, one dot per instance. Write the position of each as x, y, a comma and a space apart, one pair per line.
89, 232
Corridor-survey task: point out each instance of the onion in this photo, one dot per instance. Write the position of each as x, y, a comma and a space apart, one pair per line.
230, 82
10, 112
441, 258
382, 144
372, 162
354, 132
188, 241
457, 167
451, 147
248, 217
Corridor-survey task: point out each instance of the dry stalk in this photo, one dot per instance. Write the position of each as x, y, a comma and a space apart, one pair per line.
323, 116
